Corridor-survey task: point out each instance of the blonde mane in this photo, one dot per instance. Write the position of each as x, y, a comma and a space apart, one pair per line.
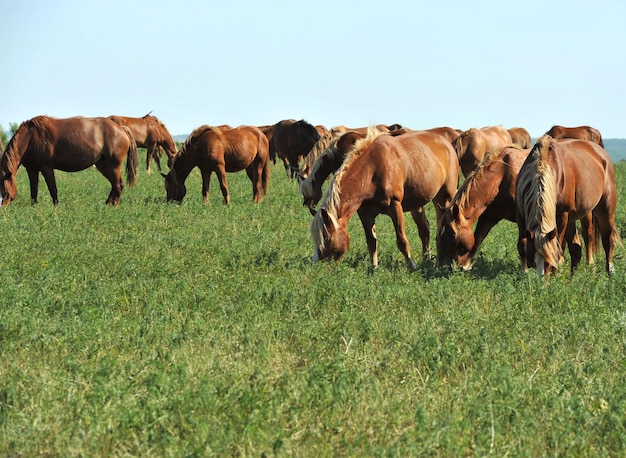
536, 199
331, 201
321, 146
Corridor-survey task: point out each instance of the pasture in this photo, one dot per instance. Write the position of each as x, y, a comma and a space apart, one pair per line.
155, 329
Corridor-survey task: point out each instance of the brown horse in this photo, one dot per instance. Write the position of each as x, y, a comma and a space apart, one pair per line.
150, 133
293, 140
212, 149
43, 144
487, 195
559, 183
390, 175
581, 133
330, 161
520, 137
473, 144
448, 132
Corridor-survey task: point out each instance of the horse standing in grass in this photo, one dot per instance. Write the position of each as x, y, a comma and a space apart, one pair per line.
293, 140
150, 133
390, 175
474, 144
486, 196
212, 149
559, 183
43, 144
581, 132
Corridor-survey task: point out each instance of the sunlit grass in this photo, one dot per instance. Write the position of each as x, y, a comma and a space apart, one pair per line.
155, 329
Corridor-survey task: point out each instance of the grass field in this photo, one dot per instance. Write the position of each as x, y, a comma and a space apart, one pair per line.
154, 329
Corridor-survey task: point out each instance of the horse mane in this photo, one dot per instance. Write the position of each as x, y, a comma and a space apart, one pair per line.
331, 199
195, 134
38, 127
536, 197
458, 142
321, 146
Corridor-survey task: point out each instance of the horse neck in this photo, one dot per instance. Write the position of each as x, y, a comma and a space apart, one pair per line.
346, 194
184, 164
476, 194
15, 150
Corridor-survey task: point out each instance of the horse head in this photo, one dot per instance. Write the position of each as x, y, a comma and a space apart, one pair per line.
455, 239
331, 240
175, 190
8, 188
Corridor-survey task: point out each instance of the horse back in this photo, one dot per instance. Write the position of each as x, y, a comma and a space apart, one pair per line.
238, 147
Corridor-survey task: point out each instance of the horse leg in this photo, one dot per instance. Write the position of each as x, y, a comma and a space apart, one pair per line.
254, 172
397, 216
221, 176
483, 226
115, 178
48, 175
206, 183
606, 223
589, 236
573, 245
423, 228
150, 149
369, 226
33, 178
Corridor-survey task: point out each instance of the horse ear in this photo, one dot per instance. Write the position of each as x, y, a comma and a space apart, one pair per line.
551, 235
455, 211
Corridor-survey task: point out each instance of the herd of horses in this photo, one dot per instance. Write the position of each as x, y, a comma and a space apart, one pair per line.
545, 187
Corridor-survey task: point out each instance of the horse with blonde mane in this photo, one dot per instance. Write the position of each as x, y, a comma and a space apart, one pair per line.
43, 144
581, 132
486, 196
220, 150
474, 144
389, 175
150, 133
559, 183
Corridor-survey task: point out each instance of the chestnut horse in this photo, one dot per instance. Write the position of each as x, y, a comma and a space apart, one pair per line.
520, 137
487, 195
293, 140
43, 144
220, 150
581, 133
330, 160
390, 175
473, 144
150, 133
560, 182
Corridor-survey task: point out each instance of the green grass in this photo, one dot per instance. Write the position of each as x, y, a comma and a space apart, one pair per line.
155, 329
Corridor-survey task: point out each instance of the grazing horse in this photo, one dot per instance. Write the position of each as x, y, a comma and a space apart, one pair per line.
150, 133
487, 195
581, 133
217, 150
330, 161
559, 183
43, 144
473, 144
293, 140
390, 175
520, 137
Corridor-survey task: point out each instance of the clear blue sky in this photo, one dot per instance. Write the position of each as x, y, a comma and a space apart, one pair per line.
418, 63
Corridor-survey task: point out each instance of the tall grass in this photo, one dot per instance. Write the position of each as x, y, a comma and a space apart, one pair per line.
155, 329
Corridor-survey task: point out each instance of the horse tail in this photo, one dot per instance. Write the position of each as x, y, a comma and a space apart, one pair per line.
132, 160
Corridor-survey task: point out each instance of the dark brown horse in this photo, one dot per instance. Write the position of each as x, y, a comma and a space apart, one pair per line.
150, 133
293, 140
581, 133
390, 175
559, 183
486, 196
43, 144
212, 149
520, 137
473, 144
